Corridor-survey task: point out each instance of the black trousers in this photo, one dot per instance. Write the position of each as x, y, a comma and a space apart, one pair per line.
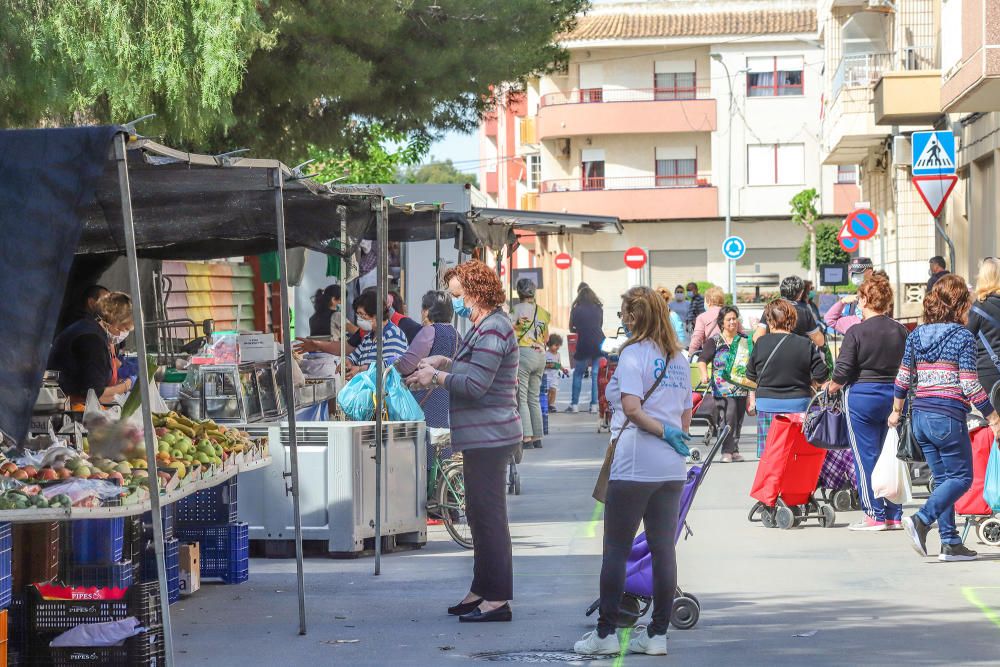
731, 410
657, 505
486, 509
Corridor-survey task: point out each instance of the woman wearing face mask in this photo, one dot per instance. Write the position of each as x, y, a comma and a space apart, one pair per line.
676, 318
809, 297
730, 399
531, 324
393, 340
845, 313
85, 355
679, 303
481, 380
325, 321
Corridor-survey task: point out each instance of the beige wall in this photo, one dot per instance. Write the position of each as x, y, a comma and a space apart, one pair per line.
621, 70
625, 155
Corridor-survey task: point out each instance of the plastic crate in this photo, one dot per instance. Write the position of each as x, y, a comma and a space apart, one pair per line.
6, 564
110, 575
135, 540
224, 551
168, 516
172, 556
36, 553
95, 541
146, 649
213, 506
49, 617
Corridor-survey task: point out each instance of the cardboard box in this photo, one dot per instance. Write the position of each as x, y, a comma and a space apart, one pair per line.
257, 347
190, 560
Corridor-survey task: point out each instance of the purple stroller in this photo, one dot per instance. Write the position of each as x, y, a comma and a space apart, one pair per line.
638, 595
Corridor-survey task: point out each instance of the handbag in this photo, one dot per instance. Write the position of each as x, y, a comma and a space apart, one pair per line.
600, 493
735, 372
909, 449
825, 424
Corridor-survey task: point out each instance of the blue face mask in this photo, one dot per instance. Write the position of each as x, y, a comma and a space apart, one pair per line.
690, 294
460, 308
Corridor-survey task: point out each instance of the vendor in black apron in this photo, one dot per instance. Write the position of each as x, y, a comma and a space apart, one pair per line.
85, 352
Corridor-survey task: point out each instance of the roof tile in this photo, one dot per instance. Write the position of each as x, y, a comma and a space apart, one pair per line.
705, 24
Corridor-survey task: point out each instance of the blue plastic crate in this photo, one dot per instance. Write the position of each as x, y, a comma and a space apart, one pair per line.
543, 400
224, 550
96, 541
211, 507
172, 556
168, 516
6, 565
110, 575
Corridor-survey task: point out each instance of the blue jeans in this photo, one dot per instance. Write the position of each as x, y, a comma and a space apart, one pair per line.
946, 445
579, 368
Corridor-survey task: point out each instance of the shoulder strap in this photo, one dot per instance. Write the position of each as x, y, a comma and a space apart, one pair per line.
659, 379
534, 321
994, 357
771, 356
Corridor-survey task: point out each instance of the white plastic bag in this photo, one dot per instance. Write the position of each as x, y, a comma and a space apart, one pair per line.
891, 477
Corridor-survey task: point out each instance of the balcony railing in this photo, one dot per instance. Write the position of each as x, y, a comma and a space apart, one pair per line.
601, 95
865, 69
623, 183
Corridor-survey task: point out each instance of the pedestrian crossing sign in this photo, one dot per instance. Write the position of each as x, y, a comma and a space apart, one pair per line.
933, 153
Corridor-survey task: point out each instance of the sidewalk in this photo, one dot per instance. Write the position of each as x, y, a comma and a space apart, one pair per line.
860, 598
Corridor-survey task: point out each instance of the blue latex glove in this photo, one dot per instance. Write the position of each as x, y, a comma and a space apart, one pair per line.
134, 379
677, 439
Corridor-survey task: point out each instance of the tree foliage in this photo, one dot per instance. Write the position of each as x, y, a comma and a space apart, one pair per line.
828, 250
439, 172
804, 208
279, 76
386, 155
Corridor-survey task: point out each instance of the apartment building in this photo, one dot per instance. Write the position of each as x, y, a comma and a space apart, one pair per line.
667, 115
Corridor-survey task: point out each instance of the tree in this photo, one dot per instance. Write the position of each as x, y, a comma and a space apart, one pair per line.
103, 61
828, 250
804, 213
439, 172
385, 155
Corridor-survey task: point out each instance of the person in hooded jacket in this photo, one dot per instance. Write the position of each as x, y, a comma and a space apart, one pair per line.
984, 322
939, 361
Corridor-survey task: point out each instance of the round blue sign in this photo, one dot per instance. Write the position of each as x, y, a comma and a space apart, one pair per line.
734, 248
862, 224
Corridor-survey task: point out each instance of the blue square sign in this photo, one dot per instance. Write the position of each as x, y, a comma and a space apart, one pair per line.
933, 153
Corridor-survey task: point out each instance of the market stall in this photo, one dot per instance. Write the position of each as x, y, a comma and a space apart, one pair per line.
156, 202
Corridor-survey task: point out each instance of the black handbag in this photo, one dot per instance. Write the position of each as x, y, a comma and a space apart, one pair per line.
825, 424
909, 449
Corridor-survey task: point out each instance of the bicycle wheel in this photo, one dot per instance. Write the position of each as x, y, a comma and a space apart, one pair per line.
451, 505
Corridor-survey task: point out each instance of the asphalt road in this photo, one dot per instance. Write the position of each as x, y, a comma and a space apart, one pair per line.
810, 595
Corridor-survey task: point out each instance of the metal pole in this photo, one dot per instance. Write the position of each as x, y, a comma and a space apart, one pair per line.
437, 247
730, 265
147, 417
342, 211
286, 338
381, 279
947, 239
510, 273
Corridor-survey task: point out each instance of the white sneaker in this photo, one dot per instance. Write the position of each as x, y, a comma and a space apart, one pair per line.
594, 409
573, 408
641, 642
592, 644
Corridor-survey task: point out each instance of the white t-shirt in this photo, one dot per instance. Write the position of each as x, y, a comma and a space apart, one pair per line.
641, 456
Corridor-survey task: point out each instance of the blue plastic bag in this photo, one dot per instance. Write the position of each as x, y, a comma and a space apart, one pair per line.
991, 488
402, 406
357, 398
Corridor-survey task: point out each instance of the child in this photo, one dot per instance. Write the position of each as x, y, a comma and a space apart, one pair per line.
553, 367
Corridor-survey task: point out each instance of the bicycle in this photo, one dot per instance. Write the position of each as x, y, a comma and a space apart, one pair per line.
446, 496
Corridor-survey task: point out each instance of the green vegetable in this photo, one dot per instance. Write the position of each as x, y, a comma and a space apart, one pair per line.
134, 399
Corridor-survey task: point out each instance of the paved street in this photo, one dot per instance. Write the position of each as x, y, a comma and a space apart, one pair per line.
855, 598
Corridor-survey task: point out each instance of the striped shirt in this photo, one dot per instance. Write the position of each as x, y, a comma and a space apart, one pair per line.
940, 360
483, 386
393, 345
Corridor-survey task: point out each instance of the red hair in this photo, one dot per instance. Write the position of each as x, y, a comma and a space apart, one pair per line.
481, 283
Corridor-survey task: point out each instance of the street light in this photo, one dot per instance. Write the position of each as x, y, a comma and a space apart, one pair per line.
730, 264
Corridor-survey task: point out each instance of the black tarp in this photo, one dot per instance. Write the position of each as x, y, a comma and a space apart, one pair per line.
47, 180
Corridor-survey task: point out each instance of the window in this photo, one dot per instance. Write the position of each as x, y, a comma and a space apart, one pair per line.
534, 171
775, 164
847, 173
676, 167
674, 80
592, 169
588, 95
591, 83
774, 76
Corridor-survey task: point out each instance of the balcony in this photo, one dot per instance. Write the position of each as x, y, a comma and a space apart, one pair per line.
601, 111
633, 198
908, 98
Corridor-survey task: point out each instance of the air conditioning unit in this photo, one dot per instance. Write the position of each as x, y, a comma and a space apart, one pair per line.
902, 151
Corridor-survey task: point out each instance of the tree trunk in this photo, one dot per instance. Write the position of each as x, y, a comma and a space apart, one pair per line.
812, 256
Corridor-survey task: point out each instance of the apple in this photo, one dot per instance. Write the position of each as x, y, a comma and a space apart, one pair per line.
48, 474
20, 475
32, 471
65, 473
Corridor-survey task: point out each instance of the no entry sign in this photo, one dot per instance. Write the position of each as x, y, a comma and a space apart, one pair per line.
563, 260
635, 258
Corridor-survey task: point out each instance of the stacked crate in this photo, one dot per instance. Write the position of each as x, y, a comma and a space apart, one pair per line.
209, 518
93, 554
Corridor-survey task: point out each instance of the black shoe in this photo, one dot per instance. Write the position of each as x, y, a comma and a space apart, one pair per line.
463, 608
917, 530
537, 444
951, 553
501, 614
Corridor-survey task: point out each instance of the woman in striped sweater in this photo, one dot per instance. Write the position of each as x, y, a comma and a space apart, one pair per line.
939, 361
482, 383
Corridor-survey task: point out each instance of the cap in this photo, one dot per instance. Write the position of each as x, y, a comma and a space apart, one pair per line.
860, 265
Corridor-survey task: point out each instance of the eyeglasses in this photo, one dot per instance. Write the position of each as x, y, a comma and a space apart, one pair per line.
986, 259
619, 313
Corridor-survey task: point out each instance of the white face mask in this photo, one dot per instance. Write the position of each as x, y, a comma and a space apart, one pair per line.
365, 325
120, 338
678, 296
857, 279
